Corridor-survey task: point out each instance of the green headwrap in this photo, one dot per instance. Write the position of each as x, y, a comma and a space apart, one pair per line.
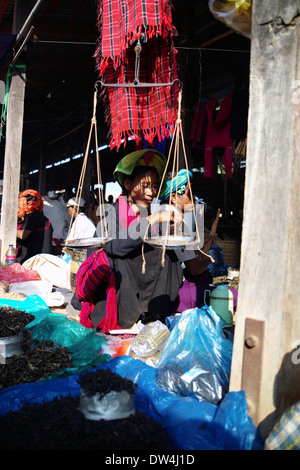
146, 157
178, 184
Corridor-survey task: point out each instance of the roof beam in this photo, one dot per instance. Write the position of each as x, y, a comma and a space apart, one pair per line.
46, 29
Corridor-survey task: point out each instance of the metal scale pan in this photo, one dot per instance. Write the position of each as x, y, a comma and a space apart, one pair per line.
82, 243
172, 242
179, 238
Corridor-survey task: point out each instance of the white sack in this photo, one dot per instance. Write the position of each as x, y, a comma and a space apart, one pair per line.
31, 287
50, 268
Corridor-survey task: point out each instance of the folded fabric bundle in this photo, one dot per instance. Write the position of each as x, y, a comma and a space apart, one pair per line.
137, 112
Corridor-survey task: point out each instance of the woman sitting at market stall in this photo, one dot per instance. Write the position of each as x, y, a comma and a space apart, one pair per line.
197, 278
110, 284
34, 230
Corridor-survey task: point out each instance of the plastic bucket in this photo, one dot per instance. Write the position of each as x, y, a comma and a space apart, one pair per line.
10, 346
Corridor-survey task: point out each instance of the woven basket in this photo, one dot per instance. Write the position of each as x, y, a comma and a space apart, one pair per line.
231, 251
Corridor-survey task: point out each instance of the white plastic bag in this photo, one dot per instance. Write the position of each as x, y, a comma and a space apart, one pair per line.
41, 288
151, 339
51, 268
32, 288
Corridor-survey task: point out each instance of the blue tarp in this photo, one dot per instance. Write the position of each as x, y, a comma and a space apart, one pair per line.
191, 425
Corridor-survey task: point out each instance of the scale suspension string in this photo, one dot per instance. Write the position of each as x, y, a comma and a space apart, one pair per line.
83, 170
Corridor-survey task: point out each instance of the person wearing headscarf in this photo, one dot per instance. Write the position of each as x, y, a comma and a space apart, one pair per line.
178, 186
113, 291
178, 192
34, 230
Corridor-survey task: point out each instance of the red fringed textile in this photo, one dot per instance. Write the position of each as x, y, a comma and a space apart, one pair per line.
139, 113
91, 273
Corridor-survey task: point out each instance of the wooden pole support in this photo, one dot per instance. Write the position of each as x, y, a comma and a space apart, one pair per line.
270, 268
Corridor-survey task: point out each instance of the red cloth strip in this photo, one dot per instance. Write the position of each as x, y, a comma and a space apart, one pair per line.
91, 273
122, 22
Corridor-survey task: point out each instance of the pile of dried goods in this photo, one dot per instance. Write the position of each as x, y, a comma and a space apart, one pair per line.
60, 425
103, 381
13, 321
40, 359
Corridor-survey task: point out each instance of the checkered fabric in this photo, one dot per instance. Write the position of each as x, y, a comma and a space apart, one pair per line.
138, 113
91, 273
285, 434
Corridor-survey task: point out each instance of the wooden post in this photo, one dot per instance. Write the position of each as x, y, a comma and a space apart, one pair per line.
14, 131
266, 352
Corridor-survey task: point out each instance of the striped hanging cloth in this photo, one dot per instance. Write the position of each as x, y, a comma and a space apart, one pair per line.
91, 274
137, 112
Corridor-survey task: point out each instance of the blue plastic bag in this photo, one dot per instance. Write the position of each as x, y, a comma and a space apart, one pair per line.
196, 359
191, 425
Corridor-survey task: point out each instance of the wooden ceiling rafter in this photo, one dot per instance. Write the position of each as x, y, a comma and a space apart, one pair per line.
217, 38
52, 29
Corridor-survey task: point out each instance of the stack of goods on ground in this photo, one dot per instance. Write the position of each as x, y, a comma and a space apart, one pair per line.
43, 275
34, 360
61, 424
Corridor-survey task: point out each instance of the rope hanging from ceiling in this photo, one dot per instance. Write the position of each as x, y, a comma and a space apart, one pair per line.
176, 237
103, 227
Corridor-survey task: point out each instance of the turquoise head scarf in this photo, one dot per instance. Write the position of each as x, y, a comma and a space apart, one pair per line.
176, 184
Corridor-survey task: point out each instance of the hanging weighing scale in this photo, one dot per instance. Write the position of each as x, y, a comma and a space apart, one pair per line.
92, 242
179, 239
176, 236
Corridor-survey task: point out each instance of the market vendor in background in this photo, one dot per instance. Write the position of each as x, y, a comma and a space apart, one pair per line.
178, 192
34, 230
57, 213
110, 284
82, 226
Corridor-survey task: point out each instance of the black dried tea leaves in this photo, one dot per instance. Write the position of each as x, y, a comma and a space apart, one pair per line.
39, 360
103, 381
59, 425
13, 321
